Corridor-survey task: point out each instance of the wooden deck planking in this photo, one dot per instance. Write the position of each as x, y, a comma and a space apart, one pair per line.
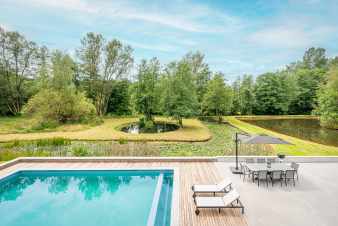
189, 172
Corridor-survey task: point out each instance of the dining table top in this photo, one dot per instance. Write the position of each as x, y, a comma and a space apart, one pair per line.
272, 167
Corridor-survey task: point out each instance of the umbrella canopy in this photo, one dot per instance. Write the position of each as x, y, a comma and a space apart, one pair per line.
255, 139
261, 139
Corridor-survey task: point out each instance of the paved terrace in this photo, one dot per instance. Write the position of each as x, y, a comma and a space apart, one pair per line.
312, 202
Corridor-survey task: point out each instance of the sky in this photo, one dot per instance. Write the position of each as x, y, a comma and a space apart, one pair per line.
237, 36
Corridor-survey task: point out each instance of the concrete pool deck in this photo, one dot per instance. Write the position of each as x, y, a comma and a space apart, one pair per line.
312, 202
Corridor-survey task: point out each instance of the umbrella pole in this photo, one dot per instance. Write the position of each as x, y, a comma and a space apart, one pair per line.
236, 141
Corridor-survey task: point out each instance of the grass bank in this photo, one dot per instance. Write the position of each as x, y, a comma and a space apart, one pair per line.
193, 130
299, 147
21, 125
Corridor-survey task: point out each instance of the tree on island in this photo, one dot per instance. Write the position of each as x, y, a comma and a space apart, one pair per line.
146, 100
179, 98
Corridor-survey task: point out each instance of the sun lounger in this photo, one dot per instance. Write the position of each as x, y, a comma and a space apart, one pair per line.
229, 200
223, 187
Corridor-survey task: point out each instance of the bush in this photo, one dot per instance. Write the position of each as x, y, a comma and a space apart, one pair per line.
52, 107
57, 141
80, 151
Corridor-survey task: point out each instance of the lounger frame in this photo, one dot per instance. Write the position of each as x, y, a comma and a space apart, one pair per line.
224, 190
231, 206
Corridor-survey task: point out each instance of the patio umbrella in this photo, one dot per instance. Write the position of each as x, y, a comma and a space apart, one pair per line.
254, 139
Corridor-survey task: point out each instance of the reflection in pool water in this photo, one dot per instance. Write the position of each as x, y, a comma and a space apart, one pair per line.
307, 129
86, 198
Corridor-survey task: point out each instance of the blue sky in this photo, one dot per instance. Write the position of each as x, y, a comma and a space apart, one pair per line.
237, 37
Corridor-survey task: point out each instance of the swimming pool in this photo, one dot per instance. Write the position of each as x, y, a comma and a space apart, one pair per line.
86, 198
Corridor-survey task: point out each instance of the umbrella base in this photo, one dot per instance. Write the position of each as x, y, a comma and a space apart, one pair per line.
234, 170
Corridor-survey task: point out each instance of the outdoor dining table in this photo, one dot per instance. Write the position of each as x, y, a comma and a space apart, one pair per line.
273, 167
255, 167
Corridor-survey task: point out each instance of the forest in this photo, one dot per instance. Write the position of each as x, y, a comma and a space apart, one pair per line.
102, 79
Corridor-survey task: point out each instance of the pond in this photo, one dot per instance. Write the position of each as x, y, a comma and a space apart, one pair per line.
158, 128
307, 129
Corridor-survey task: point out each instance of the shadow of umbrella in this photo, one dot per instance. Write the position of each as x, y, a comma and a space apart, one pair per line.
254, 139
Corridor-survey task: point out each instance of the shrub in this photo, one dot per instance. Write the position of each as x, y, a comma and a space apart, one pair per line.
57, 141
52, 107
80, 151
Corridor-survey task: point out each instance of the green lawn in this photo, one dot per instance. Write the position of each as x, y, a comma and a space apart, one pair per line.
193, 130
22, 125
221, 144
299, 147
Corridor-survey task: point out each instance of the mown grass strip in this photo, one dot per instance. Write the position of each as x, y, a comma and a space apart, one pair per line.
299, 147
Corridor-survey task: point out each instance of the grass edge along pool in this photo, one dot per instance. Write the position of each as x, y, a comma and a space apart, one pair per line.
161, 210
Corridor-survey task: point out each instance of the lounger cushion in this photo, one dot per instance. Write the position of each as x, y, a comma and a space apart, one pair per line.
212, 188
205, 188
209, 202
217, 202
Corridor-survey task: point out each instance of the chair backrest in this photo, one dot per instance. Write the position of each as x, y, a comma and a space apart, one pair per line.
223, 184
295, 165
276, 174
230, 197
290, 174
261, 160
262, 174
249, 160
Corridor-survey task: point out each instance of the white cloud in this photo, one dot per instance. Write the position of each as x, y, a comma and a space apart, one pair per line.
71, 5
281, 37
179, 15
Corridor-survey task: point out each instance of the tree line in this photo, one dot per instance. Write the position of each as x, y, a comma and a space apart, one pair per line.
103, 79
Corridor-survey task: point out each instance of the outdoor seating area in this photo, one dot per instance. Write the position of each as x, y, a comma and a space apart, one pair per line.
269, 170
229, 199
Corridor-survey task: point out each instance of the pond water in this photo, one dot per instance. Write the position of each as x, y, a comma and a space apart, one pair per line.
158, 128
307, 129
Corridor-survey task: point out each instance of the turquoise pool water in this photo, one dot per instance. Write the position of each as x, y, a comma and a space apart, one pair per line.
86, 198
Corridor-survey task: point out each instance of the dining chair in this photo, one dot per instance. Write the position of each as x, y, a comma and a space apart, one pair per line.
249, 160
295, 166
275, 176
262, 175
288, 176
261, 160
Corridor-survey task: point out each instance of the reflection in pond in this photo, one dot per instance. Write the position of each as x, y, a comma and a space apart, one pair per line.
307, 129
158, 128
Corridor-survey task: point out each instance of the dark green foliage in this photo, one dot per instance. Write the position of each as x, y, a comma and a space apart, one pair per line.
217, 100
179, 98
200, 72
308, 82
315, 58
59, 102
328, 100
80, 151
119, 101
243, 96
271, 95
146, 100
17, 66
